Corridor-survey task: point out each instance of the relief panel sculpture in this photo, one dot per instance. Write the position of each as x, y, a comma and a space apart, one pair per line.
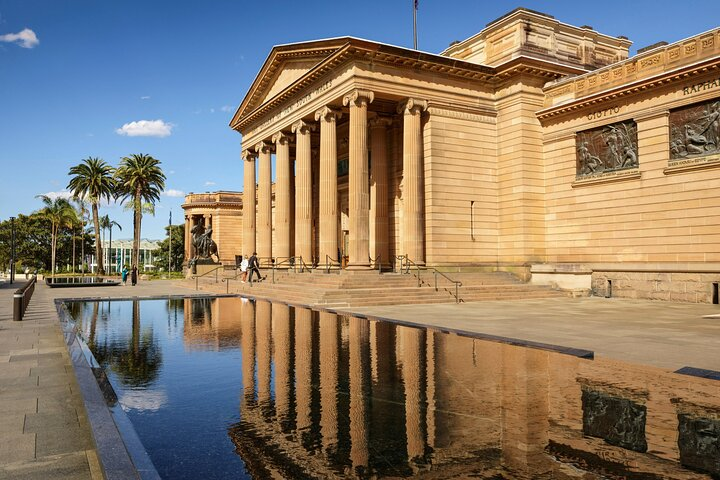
695, 130
607, 148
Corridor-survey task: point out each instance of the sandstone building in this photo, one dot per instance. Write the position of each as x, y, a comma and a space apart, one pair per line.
534, 146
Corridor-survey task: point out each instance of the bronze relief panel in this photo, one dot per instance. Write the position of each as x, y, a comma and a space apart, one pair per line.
607, 148
695, 130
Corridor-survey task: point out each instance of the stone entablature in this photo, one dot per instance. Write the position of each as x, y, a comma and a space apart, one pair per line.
663, 64
525, 33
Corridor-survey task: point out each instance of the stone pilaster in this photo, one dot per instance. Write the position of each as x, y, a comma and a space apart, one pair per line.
249, 203
282, 196
328, 183
413, 226
264, 212
303, 191
359, 193
379, 246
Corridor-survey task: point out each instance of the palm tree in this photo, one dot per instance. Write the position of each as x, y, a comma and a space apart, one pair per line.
94, 181
60, 213
81, 208
140, 180
107, 224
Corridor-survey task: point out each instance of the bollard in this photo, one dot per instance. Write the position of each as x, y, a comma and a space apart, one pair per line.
18, 307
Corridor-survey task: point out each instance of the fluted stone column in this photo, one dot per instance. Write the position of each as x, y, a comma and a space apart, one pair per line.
359, 392
303, 191
413, 227
247, 322
329, 361
413, 372
282, 196
249, 203
303, 370
263, 338
379, 245
328, 183
359, 193
282, 346
187, 237
264, 213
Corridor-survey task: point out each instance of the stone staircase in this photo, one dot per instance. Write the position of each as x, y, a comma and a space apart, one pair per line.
354, 289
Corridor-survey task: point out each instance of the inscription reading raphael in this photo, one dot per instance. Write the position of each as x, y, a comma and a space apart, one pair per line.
607, 148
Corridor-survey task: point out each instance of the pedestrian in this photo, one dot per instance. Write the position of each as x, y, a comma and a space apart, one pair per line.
244, 267
133, 276
124, 275
254, 267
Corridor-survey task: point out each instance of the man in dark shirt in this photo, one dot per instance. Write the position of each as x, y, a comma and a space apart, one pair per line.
254, 267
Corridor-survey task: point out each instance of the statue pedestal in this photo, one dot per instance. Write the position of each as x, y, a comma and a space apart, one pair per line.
202, 267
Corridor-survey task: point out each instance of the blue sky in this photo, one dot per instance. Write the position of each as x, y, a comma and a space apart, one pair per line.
73, 73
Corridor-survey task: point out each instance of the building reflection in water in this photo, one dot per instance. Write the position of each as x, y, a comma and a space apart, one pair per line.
327, 396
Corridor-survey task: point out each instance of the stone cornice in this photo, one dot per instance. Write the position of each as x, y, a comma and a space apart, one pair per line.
663, 79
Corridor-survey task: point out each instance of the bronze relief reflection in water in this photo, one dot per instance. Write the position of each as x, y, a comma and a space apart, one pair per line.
335, 396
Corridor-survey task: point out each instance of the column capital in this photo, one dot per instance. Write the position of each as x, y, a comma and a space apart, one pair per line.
263, 147
248, 155
358, 97
379, 121
411, 106
281, 138
301, 126
328, 114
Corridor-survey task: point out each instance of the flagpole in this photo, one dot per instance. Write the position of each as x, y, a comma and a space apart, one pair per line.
415, 6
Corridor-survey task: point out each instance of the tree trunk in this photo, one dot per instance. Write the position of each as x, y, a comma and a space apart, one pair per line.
137, 221
98, 245
73, 255
53, 243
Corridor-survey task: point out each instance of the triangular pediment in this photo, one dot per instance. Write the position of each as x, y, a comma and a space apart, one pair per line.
283, 67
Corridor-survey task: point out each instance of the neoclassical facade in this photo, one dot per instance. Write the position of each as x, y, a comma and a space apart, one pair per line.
533, 146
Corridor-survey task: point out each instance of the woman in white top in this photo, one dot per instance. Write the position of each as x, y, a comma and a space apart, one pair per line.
244, 267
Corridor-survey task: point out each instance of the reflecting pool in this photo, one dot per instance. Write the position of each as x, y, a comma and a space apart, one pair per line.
236, 388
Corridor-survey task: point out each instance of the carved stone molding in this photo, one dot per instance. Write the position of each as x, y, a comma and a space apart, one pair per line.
328, 114
411, 106
281, 138
248, 155
683, 165
461, 115
301, 126
379, 121
263, 147
359, 97
609, 177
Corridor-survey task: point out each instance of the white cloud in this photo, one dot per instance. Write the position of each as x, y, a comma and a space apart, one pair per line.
209, 184
174, 193
212, 110
226, 108
26, 38
60, 194
146, 128
145, 97
143, 400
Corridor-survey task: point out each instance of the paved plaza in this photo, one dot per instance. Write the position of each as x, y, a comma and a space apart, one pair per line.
45, 432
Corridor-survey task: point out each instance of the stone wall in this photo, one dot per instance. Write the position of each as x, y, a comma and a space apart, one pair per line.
693, 287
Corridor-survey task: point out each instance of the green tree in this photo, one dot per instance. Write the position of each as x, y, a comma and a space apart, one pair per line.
177, 248
93, 181
140, 180
60, 214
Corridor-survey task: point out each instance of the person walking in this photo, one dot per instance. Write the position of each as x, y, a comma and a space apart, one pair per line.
133, 276
244, 267
254, 267
124, 274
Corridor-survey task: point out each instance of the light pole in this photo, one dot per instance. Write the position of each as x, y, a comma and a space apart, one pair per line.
12, 250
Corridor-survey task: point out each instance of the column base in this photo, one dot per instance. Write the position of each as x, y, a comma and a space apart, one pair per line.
358, 266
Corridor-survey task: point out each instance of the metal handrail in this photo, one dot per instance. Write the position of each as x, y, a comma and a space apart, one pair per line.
417, 268
207, 273
376, 261
21, 298
402, 259
329, 262
457, 283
